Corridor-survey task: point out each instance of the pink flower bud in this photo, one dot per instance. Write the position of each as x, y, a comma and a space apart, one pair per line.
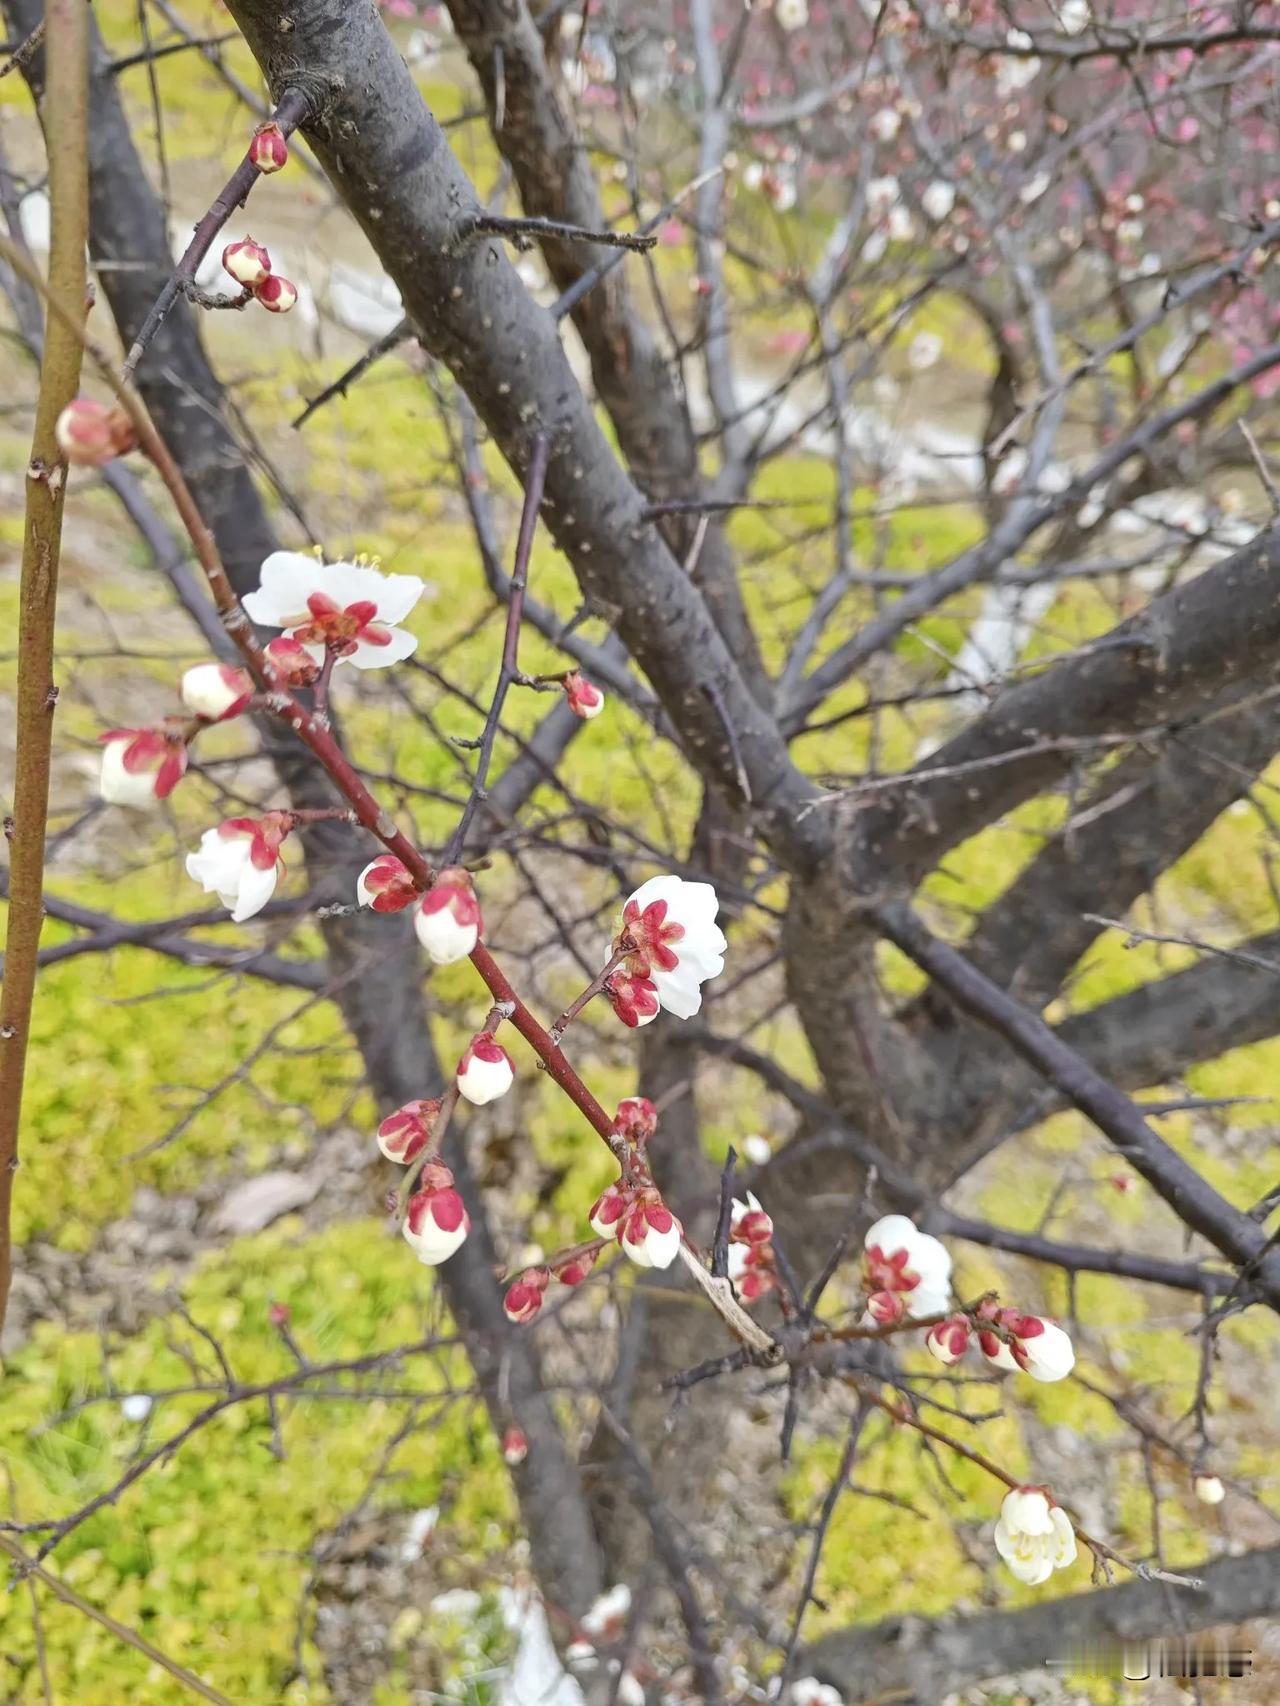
276, 294
437, 1222
608, 1210
448, 921
403, 1136
634, 999
996, 1347
485, 1071
278, 1314
215, 691
526, 1295
576, 1268
749, 1224
515, 1446
884, 1309
585, 699
636, 1120
90, 433
651, 1234
291, 664
141, 766
949, 1340
386, 885
269, 151
247, 262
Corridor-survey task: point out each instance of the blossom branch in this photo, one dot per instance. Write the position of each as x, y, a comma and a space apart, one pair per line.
293, 107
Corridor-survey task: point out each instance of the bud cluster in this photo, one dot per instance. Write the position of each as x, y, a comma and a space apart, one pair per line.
250, 265
753, 1267
527, 1292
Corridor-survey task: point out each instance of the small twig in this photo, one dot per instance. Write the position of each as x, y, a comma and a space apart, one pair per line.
522, 232
27, 1566
724, 1220
398, 334
589, 993
22, 53
293, 107
535, 478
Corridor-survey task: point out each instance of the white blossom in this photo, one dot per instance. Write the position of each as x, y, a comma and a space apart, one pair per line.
1034, 1536
348, 609
938, 198
238, 864
669, 934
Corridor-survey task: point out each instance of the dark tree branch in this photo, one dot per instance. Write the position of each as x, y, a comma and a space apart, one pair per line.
1196, 1203
916, 1661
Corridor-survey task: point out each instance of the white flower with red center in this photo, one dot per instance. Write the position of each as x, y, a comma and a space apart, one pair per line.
650, 1233
1034, 1535
949, 1340
269, 150
749, 1224
515, 1446
349, 610
448, 921
584, 697
634, 999
436, 1222
290, 663
386, 885
247, 262
91, 433
215, 691
526, 1295
1038, 1347
140, 766
670, 936
277, 294
901, 1260
485, 1071
403, 1135
240, 862
808, 1691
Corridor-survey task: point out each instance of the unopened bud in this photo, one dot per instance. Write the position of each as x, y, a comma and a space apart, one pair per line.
269, 151
585, 698
90, 433
515, 1446
247, 262
277, 295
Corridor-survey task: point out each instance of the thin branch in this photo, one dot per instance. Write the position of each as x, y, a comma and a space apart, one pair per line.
535, 478
26, 1566
68, 105
293, 107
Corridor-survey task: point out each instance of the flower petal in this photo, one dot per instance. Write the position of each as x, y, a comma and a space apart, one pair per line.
256, 889
400, 646
287, 580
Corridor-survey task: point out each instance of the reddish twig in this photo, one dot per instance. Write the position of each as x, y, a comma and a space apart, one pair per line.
293, 107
